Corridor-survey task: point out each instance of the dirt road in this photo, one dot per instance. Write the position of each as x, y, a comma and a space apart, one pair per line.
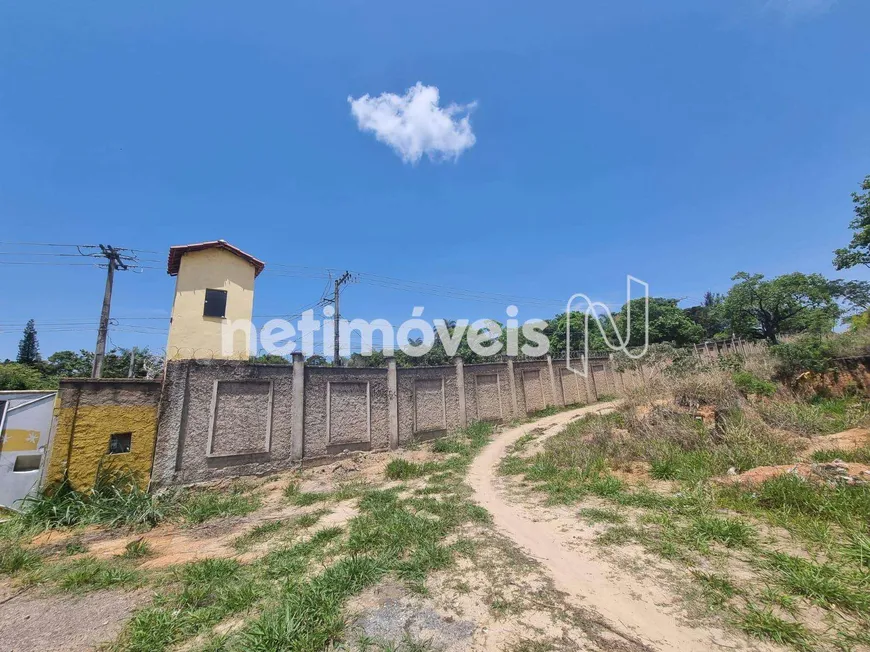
642, 609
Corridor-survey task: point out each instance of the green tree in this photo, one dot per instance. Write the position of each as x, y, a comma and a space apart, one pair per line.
269, 358
858, 251
69, 364
557, 332
116, 364
667, 323
28, 347
855, 294
15, 376
709, 315
791, 303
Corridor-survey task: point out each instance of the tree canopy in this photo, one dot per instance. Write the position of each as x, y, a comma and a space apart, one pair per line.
858, 250
667, 324
791, 303
709, 316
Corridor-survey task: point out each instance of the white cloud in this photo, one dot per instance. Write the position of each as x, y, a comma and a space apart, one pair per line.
414, 124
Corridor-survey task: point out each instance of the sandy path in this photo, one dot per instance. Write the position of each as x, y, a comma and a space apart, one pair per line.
635, 605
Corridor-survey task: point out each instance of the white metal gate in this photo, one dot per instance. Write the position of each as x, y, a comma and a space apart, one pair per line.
25, 431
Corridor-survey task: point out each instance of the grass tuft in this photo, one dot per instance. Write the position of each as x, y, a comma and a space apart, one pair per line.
136, 549
860, 455
89, 574
824, 584
764, 624
594, 515
730, 532
400, 469
200, 506
14, 558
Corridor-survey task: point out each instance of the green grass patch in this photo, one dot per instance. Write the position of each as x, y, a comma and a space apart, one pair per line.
259, 533
298, 591
790, 495
345, 491
200, 506
730, 532
825, 584
749, 383
114, 501
859, 455
203, 593
619, 535
857, 549
75, 548
87, 574
764, 624
817, 417
307, 520
400, 469
14, 558
309, 618
716, 589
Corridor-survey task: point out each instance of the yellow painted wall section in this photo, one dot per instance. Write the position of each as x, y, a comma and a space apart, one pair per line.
191, 335
63, 419
94, 424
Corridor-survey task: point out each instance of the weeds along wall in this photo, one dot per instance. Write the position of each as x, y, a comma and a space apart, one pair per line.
221, 418
104, 424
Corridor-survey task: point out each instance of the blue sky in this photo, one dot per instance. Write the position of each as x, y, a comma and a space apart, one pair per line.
679, 141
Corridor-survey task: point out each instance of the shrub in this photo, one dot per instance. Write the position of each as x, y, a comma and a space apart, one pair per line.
731, 362
748, 383
804, 354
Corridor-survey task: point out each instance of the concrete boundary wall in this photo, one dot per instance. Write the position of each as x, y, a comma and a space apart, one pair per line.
221, 418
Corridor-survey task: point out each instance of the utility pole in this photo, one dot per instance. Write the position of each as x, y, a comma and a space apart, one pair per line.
132, 362
344, 278
114, 257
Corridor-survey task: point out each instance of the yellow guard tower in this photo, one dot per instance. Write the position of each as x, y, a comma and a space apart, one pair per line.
214, 287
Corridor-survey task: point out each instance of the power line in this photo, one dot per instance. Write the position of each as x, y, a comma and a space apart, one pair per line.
48, 244
41, 253
424, 288
49, 263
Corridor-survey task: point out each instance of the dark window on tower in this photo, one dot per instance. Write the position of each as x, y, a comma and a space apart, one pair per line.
120, 443
215, 303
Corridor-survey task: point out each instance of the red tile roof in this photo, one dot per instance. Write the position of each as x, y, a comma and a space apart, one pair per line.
175, 254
